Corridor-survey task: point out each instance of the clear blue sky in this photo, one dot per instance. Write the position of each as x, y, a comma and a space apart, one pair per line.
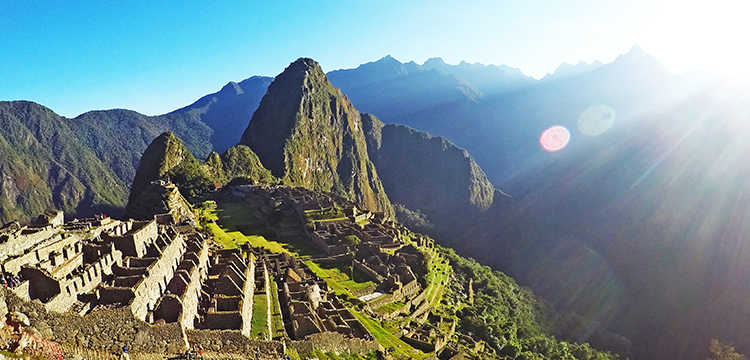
154, 56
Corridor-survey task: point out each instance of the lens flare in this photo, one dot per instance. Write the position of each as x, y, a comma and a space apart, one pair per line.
554, 138
595, 120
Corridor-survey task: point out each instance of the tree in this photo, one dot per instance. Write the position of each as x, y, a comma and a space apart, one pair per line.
722, 351
351, 241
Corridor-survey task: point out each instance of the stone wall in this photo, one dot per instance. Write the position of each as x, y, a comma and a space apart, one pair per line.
232, 341
181, 304
367, 270
191, 296
24, 239
248, 291
333, 342
135, 241
64, 246
104, 329
151, 288
83, 282
3, 307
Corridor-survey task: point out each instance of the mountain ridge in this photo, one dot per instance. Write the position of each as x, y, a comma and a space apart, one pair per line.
44, 166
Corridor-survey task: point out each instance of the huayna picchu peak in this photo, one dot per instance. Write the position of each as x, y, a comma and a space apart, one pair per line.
308, 134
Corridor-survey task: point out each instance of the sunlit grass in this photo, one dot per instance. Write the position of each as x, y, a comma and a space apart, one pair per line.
277, 323
259, 321
339, 281
401, 350
389, 308
437, 276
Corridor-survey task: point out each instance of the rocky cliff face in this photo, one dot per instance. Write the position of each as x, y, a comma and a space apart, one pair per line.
425, 173
309, 134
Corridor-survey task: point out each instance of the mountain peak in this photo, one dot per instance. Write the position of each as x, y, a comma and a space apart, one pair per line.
387, 59
637, 50
566, 69
232, 87
634, 55
303, 65
308, 134
164, 154
434, 61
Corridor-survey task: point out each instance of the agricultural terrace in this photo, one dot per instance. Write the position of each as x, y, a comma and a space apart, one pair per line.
401, 350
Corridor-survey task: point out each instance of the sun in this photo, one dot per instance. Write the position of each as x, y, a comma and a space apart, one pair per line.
700, 36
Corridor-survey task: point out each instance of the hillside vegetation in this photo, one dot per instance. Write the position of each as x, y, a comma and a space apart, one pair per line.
43, 165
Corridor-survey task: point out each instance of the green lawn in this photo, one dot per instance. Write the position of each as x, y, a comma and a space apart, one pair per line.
205, 212
329, 356
325, 214
9, 354
236, 215
277, 323
259, 321
338, 280
231, 229
389, 308
437, 276
401, 349
233, 239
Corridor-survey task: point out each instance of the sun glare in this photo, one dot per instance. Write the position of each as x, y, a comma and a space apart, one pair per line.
554, 138
701, 36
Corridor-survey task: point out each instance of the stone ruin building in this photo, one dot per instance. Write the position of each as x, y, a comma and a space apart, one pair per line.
164, 271
155, 267
307, 305
381, 254
228, 292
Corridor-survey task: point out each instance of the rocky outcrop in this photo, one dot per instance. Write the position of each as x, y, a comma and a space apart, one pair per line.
167, 161
106, 329
160, 197
309, 134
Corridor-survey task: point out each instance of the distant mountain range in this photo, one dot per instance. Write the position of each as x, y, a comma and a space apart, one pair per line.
500, 125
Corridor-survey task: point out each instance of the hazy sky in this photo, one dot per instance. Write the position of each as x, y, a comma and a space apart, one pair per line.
75, 56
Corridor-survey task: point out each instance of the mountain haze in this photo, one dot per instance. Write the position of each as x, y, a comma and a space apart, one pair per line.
501, 129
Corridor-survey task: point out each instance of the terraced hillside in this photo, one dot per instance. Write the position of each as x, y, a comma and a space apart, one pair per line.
437, 316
